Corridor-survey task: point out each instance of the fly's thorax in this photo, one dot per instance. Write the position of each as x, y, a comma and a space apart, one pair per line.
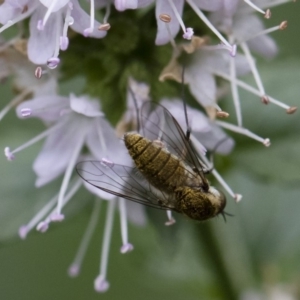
198, 204
162, 169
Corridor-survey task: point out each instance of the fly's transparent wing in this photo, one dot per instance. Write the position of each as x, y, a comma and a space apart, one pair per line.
157, 123
123, 181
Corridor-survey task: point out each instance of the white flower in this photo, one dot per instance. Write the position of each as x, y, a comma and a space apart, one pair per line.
49, 24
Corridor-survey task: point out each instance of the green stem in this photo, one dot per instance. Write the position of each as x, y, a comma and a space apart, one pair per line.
207, 241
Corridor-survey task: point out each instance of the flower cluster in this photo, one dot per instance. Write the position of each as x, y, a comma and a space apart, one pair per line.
77, 128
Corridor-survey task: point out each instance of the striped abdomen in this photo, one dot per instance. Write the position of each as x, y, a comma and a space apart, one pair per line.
162, 169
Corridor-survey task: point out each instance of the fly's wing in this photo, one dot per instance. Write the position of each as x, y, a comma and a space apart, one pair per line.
157, 123
123, 181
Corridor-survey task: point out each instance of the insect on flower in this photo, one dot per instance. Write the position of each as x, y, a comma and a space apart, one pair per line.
168, 173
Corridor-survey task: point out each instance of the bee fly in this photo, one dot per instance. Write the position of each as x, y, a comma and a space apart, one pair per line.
168, 173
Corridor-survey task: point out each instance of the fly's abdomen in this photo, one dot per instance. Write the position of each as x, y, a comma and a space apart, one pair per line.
162, 169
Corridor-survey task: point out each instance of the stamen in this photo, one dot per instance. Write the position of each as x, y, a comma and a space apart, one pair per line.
24, 229
126, 247
101, 285
67, 176
39, 137
53, 62
208, 23
252, 90
255, 7
64, 40
219, 178
281, 26
47, 15
75, 267
14, 102
171, 220
235, 93
107, 13
101, 138
253, 68
244, 131
45, 224
187, 32
89, 30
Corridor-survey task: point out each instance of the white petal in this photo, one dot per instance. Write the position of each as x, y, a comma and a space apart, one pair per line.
209, 5
83, 105
57, 150
136, 213
110, 147
58, 5
82, 22
264, 46
47, 108
163, 7
197, 120
126, 4
101, 194
215, 139
143, 3
41, 43
11, 9
202, 86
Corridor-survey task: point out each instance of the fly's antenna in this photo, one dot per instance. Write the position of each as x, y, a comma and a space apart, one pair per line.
138, 124
188, 128
224, 214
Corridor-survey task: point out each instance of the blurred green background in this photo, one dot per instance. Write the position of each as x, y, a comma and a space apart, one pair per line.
257, 250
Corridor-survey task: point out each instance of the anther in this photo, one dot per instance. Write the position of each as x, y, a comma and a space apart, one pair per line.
165, 18
283, 25
126, 248
100, 284
74, 270
171, 220
238, 197
38, 72
26, 112
268, 14
42, 226
222, 114
57, 217
23, 230
189, 32
53, 62
267, 142
25, 9
107, 163
291, 110
9, 155
63, 43
265, 99
233, 50
40, 25
104, 27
